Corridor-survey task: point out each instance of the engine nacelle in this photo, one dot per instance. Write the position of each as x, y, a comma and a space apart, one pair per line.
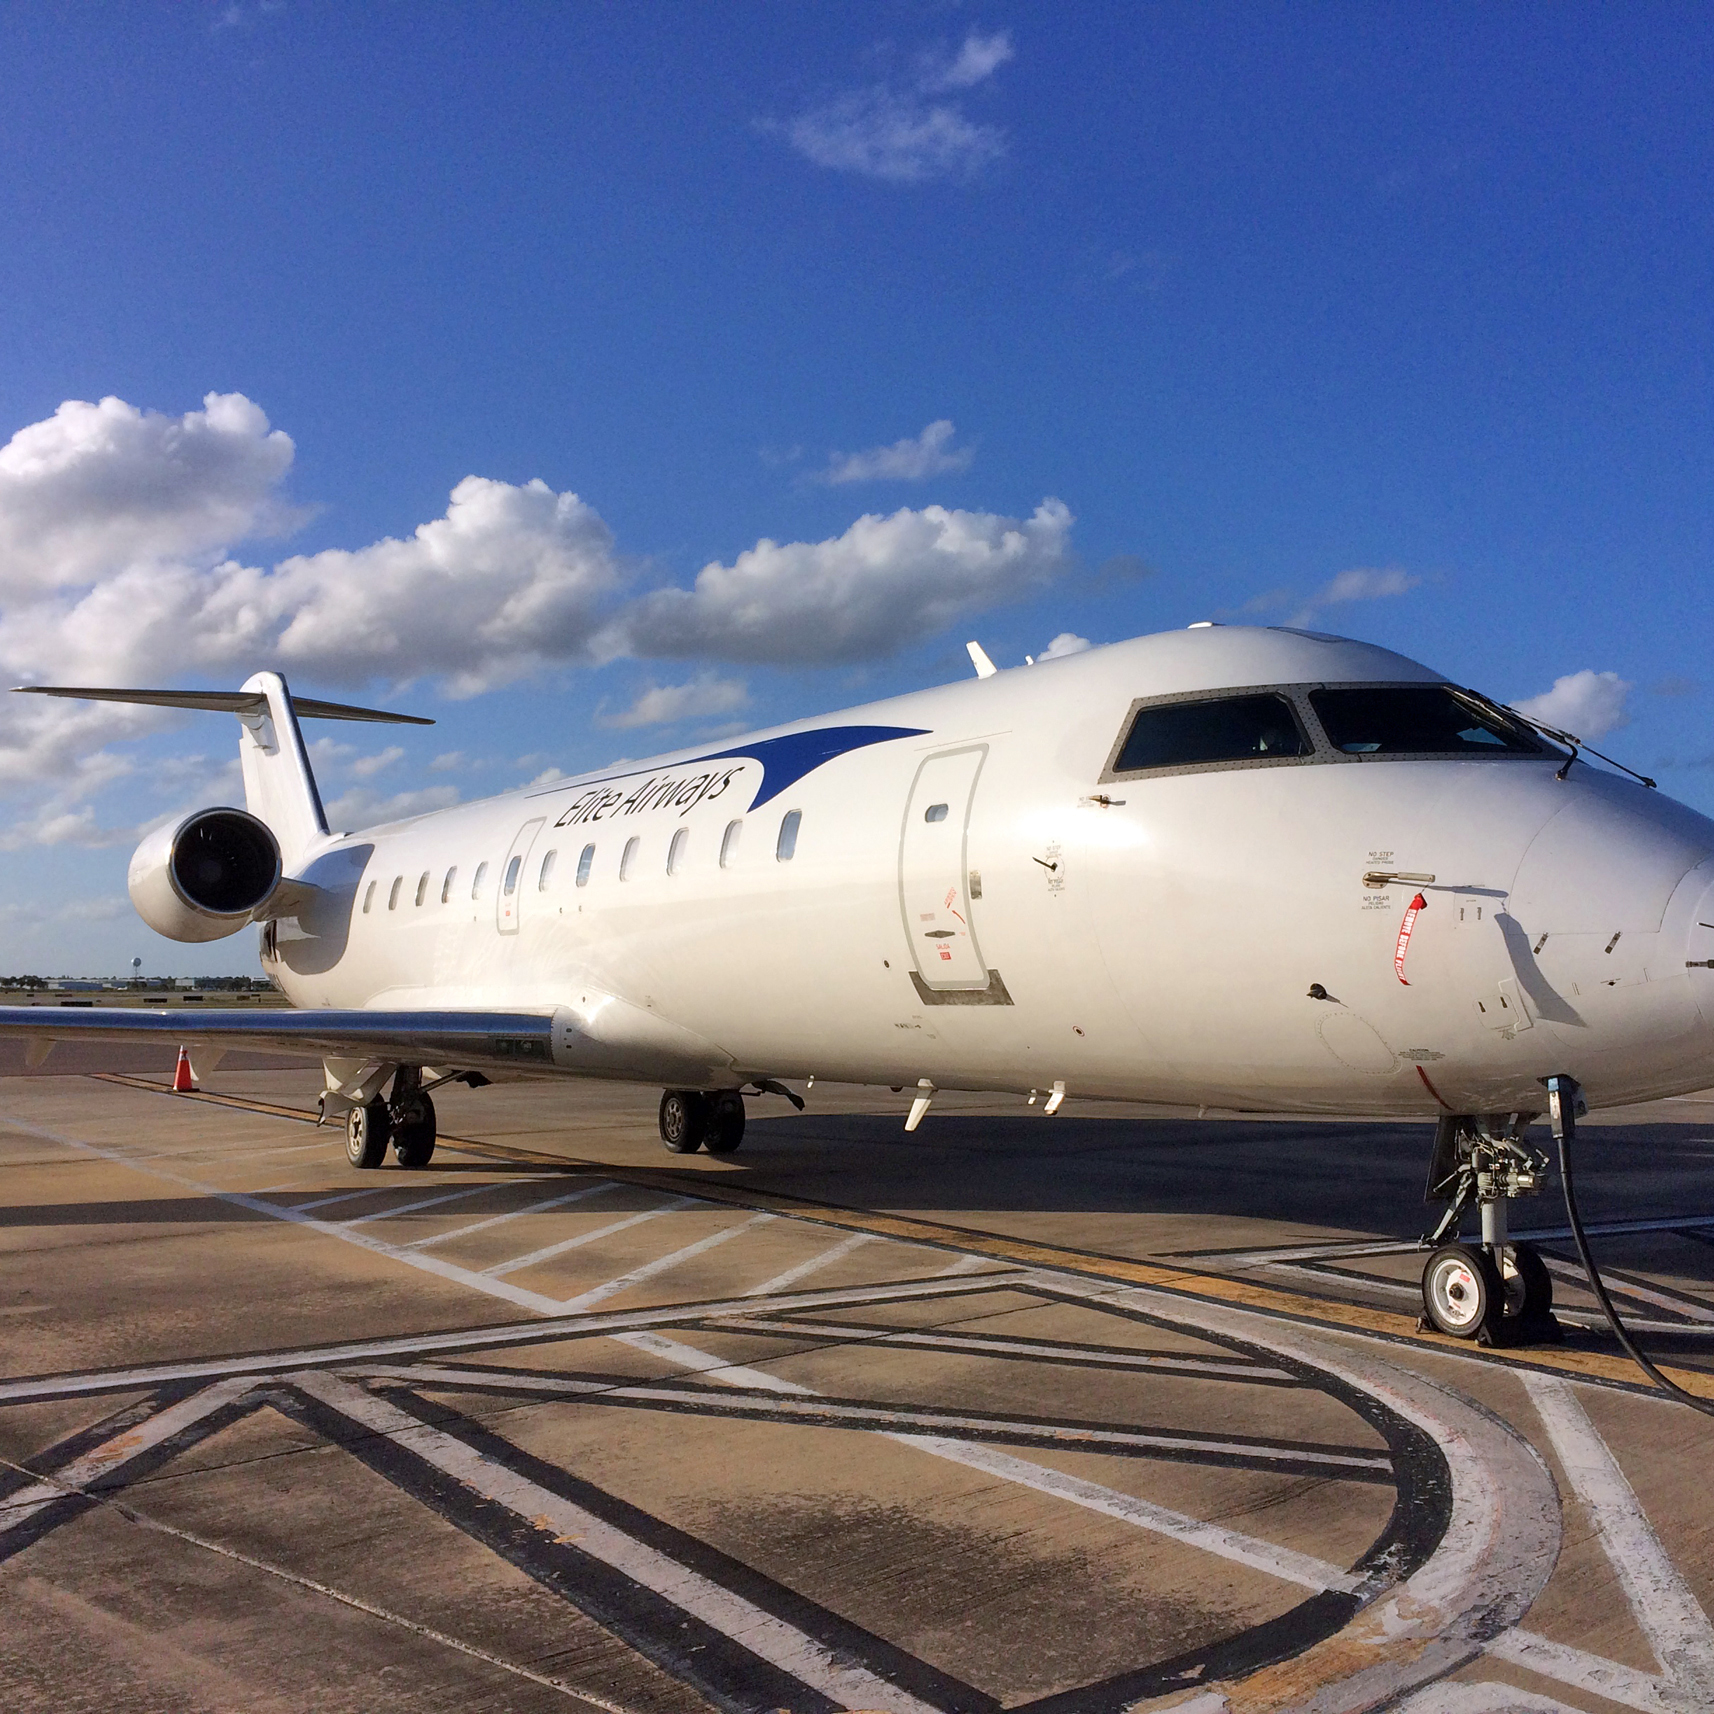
204, 878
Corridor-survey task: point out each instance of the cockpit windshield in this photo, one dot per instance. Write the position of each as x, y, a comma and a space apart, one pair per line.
1419, 720
1202, 733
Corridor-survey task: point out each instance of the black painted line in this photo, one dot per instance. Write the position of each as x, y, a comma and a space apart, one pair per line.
1234, 1451
694, 1652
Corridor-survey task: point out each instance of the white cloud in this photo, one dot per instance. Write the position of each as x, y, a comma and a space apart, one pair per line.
898, 132
95, 488
362, 806
447, 762
1587, 704
1360, 583
116, 531
662, 704
976, 61
1066, 643
856, 596
911, 460
367, 767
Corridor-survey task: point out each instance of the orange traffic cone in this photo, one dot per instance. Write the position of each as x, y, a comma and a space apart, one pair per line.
183, 1082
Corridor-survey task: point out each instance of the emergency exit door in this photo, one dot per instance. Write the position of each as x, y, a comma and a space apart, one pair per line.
935, 884
509, 899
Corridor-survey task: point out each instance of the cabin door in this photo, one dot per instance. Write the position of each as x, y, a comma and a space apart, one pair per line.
935, 883
509, 898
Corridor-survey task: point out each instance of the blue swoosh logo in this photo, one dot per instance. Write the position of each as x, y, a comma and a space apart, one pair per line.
786, 760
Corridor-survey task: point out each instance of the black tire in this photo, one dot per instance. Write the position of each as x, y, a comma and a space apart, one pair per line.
1461, 1291
725, 1122
1536, 1283
367, 1133
684, 1121
414, 1132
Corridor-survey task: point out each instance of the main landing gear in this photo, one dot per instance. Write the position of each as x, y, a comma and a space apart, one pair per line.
1495, 1292
405, 1119
711, 1119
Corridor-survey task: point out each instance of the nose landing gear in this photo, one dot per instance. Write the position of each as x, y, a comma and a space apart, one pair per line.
1496, 1292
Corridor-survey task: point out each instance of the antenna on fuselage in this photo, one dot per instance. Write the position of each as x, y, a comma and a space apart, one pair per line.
985, 668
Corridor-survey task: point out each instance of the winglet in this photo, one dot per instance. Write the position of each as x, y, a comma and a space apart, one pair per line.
985, 668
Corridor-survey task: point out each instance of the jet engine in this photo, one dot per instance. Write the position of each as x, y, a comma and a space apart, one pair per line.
206, 877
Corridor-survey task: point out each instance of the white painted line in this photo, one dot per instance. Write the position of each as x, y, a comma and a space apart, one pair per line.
1621, 1684
1260, 1555
511, 1214
660, 1265
1486, 1697
966, 1265
435, 1201
548, 1251
606, 1323
1661, 1602
343, 1196
76, 1476
1627, 1285
770, 1639
835, 1253
702, 1363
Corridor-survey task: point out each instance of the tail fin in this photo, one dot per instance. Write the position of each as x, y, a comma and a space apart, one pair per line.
279, 787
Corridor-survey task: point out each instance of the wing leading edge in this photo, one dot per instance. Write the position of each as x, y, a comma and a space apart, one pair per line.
507, 1039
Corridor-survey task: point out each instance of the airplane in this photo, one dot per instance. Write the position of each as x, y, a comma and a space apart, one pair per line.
1235, 867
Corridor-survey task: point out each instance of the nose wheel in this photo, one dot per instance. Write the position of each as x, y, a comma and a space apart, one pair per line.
1495, 1292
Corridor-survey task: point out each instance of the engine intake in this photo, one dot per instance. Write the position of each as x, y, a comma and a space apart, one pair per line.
205, 878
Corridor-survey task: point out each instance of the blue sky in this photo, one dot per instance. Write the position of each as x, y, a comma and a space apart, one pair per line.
1391, 319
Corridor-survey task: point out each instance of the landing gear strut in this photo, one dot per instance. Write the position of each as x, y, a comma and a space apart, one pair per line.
711, 1119
1496, 1292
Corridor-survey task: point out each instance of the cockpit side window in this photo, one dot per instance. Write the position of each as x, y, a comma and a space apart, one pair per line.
1205, 732
1417, 720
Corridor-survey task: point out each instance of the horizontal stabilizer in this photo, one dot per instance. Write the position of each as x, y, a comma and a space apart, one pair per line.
226, 702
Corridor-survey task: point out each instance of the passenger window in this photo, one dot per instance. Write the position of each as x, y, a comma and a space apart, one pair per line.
512, 869
585, 862
368, 897
547, 871
393, 894
935, 812
1223, 729
785, 847
1417, 720
446, 885
480, 876
675, 851
628, 857
729, 843
422, 886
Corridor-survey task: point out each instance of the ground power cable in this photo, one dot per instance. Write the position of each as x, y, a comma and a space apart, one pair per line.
1562, 1095
143, 1521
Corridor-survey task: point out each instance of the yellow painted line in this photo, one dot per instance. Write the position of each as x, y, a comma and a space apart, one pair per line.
1156, 1276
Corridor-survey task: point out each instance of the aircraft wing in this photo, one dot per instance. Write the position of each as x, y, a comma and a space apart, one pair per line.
507, 1039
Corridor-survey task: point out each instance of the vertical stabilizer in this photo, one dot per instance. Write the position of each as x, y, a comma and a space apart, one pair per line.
279, 788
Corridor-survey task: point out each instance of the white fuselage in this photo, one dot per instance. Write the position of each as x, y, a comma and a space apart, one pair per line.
1152, 938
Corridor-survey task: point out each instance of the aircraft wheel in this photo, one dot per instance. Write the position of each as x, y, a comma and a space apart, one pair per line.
414, 1132
367, 1132
1529, 1286
725, 1122
1461, 1291
684, 1121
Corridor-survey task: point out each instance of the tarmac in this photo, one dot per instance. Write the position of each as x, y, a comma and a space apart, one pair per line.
1122, 1408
